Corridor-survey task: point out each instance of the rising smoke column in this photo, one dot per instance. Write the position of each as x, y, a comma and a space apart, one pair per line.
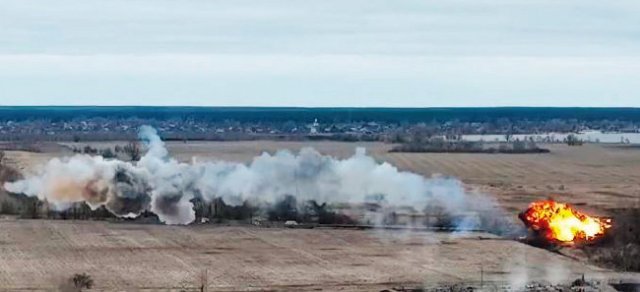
164, 186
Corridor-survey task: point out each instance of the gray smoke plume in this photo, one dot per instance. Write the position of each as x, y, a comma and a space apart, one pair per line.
164, 186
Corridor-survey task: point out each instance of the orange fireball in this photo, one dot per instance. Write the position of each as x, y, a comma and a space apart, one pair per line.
560, 222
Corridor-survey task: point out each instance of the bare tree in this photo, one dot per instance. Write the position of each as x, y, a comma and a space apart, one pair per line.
108, 153
81, 281
89, 150
31, 208
573, 140
76, 283
133, 151
7, 207
507, 137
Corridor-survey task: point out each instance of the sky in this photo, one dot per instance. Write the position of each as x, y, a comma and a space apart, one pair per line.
320, 53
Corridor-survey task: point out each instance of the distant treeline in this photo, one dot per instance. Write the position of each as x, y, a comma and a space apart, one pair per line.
283, 114
217, 211
442, 146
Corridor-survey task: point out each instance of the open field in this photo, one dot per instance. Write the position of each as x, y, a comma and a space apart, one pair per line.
37, 254
40, 254
595, 176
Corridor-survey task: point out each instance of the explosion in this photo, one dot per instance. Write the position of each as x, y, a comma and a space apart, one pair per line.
559, 222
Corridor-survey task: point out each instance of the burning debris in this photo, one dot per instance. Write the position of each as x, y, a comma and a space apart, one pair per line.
560, 224
166, 187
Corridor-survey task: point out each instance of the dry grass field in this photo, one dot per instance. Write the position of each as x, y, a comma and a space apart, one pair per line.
39, 254
595, 176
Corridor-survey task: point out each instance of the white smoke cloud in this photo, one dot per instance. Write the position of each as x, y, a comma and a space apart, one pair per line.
556, 272
164, 186
518, 274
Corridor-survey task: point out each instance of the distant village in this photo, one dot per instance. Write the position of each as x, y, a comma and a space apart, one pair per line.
97, 128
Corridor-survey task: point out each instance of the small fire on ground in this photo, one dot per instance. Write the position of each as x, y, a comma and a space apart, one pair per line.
562, 224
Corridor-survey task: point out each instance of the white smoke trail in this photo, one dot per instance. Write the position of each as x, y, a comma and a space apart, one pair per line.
166, 187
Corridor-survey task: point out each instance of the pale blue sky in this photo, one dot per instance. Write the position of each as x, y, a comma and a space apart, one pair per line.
320, 53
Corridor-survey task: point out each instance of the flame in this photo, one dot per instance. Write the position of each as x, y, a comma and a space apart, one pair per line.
560, 222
